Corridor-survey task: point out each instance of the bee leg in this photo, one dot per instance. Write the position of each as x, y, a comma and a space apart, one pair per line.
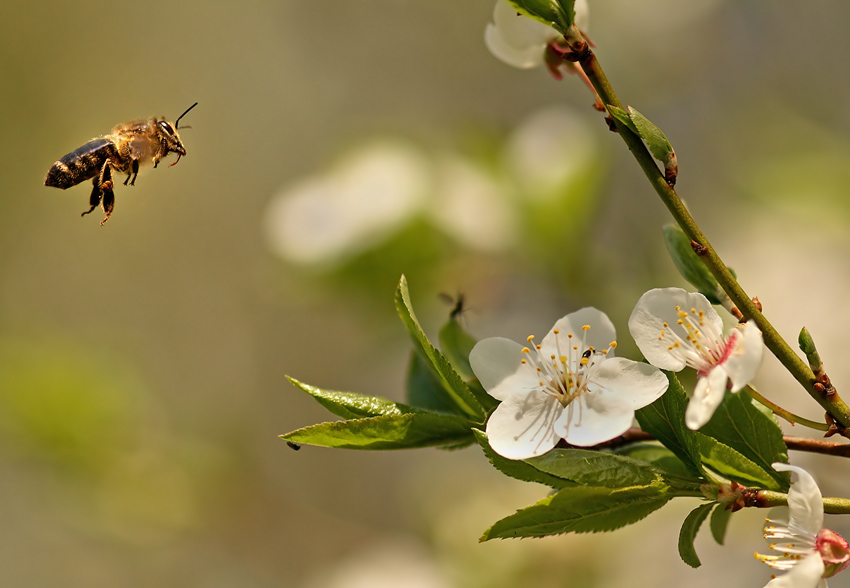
134, 172
96, 195
108, 200
108, 204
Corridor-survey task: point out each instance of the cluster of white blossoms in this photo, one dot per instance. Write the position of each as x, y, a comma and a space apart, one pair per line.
571, 387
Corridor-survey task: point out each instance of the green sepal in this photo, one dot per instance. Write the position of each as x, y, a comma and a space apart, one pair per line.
731, 464
754, 434
406, 431
558, 14
582, 509
449, 379
664, 419
688, 533
517, 468
719, 522
689, 264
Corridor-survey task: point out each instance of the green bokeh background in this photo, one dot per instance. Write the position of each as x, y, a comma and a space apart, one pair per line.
142, 363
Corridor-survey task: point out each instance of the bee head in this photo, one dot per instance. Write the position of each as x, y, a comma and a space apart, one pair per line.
170, 138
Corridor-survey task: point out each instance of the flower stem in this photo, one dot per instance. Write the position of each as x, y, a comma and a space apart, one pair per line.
785, 414
769, 499
798, 368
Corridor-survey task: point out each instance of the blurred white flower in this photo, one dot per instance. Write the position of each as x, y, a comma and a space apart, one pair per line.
809, 553
569, 387
550, 149
369, 196
521, 41
675, 329
470, 206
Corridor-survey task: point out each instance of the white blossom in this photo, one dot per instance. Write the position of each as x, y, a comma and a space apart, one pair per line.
675, 329
570, 386
809, 553
521, 41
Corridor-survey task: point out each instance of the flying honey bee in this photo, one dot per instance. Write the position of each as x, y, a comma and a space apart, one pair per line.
128, 146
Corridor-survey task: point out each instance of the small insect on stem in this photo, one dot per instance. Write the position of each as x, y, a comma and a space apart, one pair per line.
128, 146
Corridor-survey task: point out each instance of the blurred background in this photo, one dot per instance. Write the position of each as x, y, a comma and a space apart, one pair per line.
336, 146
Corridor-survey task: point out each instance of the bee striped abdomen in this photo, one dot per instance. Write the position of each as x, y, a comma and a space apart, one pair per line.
81, 164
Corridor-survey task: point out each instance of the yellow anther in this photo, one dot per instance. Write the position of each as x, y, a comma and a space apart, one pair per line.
537, 347
613, 345
584, 361
585, 328
552, 356
530, 338
569, 335
665, 325
526, 350
556, 331
523, 361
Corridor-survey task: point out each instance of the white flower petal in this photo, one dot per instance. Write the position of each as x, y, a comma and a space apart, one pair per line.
618, 387
599, 336
524, 58
805, 502
496, 363
658, 306
517, 40
594, 418
806, 574
522, 426
636, 384
744, 362
708, 395
582, 20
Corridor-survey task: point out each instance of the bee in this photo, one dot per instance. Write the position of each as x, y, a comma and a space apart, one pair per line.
128, 146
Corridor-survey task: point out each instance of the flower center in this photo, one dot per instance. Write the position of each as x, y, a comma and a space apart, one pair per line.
703, 345
565, 373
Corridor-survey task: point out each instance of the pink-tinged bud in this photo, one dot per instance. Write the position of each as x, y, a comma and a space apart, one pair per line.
834, 550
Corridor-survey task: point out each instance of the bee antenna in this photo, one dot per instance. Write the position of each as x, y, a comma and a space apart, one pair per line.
177, 122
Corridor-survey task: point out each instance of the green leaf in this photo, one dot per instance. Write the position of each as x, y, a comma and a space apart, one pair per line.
689, 264
424, 390
623, 117
719, 522
581, 509
689, 532
655, 139
349, 405
594, 468
732, 465
457, 344
441, 367
807, 345
558, 14
517, 468
405, 431
757, 436
664, 419
658, 456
